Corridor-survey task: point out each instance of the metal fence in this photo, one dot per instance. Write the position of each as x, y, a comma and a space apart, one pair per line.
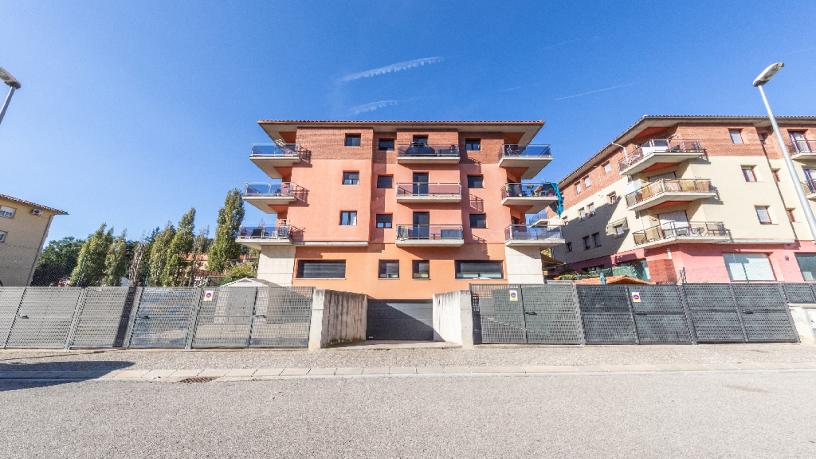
636, 314
154, 317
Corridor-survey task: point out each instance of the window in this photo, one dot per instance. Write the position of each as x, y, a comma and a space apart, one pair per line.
569, 246
384, 220
586, 243
578, 187
748, 174
420, 140
3, 236
389, 269
607, 168
596, 239
478, 269
348, 218
612, 198
763, 214
478, 221
736, 136
7, 212
619, 230
351, 178
791, 215
475, 181
385, 144
321, 269
473, 144
590, 209
775, 173
748, 267
385, 181
587, 182
581, 213
807, 264
421, 269
352, 140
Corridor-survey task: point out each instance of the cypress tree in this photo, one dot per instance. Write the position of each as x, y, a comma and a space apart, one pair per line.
90, 268
116, 261
158, 255
180, 246
224, 247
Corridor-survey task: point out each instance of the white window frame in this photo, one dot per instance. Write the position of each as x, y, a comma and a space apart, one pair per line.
736, 136
8, 212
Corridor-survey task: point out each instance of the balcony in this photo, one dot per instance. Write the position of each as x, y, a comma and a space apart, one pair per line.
429, 192
268, 196
531, 158
534, 197
271, 157
258, 236
523, 235
669, 191
803, 150
430, 236
810, 189
685, 232
658, 153
421, 153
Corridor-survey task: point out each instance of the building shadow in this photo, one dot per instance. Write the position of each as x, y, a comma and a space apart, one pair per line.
19, 376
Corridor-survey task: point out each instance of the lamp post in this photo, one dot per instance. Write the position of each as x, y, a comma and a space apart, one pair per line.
13, 85
759, 82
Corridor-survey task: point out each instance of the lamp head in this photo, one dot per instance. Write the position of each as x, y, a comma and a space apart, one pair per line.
768, 73
9, 78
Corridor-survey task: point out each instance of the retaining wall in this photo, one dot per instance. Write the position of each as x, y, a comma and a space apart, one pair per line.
337, 317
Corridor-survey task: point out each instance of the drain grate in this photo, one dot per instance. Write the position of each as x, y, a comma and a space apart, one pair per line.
198, 379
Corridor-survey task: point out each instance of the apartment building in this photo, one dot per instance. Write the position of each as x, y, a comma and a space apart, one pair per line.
23, 229
400, 210
695, 199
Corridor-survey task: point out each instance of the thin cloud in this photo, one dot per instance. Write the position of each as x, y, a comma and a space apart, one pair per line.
595, 91
373, 106
392, 68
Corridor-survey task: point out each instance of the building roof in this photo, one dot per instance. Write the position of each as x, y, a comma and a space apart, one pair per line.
670, 120
33, 204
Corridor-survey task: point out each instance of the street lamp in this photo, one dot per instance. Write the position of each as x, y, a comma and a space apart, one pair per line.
13, 85
759, 82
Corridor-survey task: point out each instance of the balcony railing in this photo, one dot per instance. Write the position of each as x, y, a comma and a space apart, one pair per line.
530, 190
290, 150
660, 146
277, 232
429, 232
668, 186
526, 151
809, 186
430, 190
530, 233
674, 230
421, 150
803, 146
282, 189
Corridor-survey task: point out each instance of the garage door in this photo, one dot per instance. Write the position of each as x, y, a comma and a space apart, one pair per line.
400, 320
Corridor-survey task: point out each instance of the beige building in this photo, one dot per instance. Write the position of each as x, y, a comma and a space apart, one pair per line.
23, 229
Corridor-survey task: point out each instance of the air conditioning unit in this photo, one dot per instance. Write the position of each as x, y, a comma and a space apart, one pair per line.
36, 212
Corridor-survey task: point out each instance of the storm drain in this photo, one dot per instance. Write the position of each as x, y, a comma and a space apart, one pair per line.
198, 379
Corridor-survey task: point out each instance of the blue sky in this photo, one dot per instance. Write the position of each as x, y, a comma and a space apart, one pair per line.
132, 112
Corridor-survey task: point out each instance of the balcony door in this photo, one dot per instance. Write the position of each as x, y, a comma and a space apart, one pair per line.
674, 223
421, 183
422, 221
800, 144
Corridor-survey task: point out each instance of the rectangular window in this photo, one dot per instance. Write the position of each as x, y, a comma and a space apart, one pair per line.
478, 269
748, 174
586, 243
582, 213
473, 144
421, 269
569, 246
763, 215
475, 181
385, 144
3, 236
384, 220
791, 215
596, 239
352, 140
351, 178
578, 187
478, 221
807, 264
587, 182
612, 198
420, 140
385, 181
321, 269
607, 168
736, 136
748, 267
7, 212
389, 269
348, 218
619, 229
590, 209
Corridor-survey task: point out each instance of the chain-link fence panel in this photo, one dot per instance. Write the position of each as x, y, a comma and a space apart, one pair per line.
498, 313
225, 317
606, 314
164, 317
765, 313
99, 317
44, 318
660, 317
282, 317
714, 313
10, 298
551, 314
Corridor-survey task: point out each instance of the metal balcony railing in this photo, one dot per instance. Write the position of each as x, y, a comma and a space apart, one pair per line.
429, 232
802, 146
809, 186
279, 231
422, 189
422, 150
668, 186
530, 190
672, 230
529, 233
653, 146
282, 189
289, 150
526, 151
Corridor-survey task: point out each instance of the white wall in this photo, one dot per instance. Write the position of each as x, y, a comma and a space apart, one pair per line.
276, 264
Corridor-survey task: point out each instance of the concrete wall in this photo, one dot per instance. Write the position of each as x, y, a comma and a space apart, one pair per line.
276, 264
453, 318
524, 265
804, 317
337, 317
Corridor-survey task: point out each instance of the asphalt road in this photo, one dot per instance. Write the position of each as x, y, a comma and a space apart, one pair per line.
725, 414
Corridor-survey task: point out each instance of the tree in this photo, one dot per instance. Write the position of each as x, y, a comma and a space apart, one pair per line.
90, 267
200, 246
57, 261
224, 247
158, 255
239, 271
116, 261
180, 246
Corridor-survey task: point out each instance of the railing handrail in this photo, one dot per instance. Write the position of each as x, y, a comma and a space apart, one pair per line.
428, 149
669, 230
673, 146
548, 189
289, 149
430, 231
429, 183
279, 189
538, 150
659, 186
796, 145
809, 186
277, 231
526, 232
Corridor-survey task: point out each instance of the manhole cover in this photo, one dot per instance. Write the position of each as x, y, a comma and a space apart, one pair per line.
198, 379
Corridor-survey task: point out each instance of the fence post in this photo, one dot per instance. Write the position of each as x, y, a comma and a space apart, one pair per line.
577, 303
681, 293
193, 322
134, 313
80, 305
632, 313
14, 317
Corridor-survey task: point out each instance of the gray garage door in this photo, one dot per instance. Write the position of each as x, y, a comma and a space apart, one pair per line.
400, 320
